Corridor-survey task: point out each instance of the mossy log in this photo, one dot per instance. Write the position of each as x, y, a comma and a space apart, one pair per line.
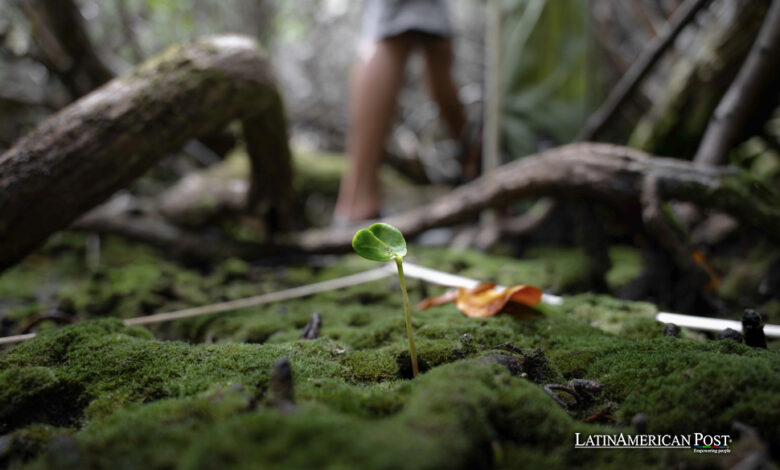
80, 156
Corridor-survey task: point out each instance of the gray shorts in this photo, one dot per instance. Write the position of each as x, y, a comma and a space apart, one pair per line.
387, 18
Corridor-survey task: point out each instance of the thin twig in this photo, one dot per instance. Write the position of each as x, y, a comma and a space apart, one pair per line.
312, 329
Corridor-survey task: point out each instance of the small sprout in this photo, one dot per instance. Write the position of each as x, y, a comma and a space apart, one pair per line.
380, 242
383, 242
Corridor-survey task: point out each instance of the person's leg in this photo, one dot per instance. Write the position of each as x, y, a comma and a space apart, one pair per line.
375, 84
441, 83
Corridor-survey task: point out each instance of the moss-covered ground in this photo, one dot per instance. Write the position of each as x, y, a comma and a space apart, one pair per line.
195, 393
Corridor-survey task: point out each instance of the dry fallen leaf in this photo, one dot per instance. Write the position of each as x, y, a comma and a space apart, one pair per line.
484, 301
452, 295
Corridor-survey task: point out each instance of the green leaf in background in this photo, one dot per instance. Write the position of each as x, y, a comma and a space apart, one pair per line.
380, 242
545, 73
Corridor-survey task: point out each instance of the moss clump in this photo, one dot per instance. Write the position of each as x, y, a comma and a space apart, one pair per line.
25, 444
630, 319
147, 403
36, 395
681, 378
134, 280
462, 415
102, 395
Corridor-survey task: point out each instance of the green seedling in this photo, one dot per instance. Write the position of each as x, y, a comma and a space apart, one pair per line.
383, 242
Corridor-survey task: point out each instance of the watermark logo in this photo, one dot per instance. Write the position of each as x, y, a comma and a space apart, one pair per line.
700, 443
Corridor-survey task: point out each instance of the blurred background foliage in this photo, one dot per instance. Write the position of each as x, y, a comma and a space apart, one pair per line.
545, 73
559, 60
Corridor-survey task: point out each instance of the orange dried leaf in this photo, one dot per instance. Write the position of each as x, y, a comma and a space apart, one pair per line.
445, 298
452, 295
490, 302
484, 301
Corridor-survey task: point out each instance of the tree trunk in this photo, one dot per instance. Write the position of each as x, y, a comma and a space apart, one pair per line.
80, 156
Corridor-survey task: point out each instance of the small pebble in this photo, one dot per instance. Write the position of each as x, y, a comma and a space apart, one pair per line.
731, 334
670, 329
639, 421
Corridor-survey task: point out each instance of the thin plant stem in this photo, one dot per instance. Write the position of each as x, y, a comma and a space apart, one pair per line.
412, 351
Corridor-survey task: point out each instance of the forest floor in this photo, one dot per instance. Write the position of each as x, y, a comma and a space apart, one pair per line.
195, 393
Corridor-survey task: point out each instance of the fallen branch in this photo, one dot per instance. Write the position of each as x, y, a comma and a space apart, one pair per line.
612, 174
80, 156
745, 93
174, 240
627, 180
639, 69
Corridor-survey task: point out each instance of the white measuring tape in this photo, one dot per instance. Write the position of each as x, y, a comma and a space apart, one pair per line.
410, 270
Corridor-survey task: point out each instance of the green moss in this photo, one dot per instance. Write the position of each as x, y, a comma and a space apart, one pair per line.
37, 395
626, 265
25, 444
457, 416
671, 380
553, 269
106, 396
629, 319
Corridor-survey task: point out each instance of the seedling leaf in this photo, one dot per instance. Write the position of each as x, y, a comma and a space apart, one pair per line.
383, 242
380, 242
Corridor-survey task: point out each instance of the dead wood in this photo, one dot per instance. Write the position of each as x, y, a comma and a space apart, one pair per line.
77, 158
745, 93
623, 179
174, 240
312, 329
611, 174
